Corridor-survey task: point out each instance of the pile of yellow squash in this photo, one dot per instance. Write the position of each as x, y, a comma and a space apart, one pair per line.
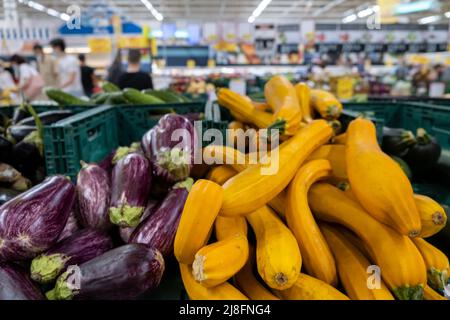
337, 221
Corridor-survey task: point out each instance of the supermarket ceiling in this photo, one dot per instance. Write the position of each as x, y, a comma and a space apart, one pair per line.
220, 10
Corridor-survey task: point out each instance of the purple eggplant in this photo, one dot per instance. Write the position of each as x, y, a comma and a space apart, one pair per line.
32, 222
70, 228
82, 246
106, 163
120, 274
93, 191
170, 146
158, 231
131, 183
151, 207
15, 284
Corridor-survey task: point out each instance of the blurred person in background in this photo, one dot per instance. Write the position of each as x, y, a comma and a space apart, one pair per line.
29, 81
69, 72
46, 66
134, 77
7, 87
87, 76
115, 70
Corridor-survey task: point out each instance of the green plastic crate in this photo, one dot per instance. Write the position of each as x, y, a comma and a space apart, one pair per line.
88, 136
221, 126
134, 120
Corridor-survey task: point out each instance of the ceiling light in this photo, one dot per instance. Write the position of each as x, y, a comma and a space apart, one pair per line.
259, 9
349, 18
429, 19
447, 14
64, 16
417, 6
376, 8
158, 16
364, 13
51, 12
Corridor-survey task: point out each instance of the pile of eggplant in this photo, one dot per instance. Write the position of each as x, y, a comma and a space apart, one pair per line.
21, 149
417, 154
107, 236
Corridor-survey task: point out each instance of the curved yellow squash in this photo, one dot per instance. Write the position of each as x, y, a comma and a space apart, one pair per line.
317, 257
402, 266
335, 154
432, 215
304, 98
352, 267
255, 186
196, 291
326, 104
200, 210
378, 182
277, 253
309, 288
230, 226
430, 294
221, 174
436, 262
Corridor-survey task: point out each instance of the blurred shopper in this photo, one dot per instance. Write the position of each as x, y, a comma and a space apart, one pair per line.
7, 87
87, 76
115, 70
69, 73
134, 77
30, 82
46, 66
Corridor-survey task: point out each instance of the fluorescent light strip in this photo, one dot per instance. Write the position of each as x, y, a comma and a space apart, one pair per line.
447, 14
429, 19
364, 13
51, 12
350, 18
259, 9
158, 16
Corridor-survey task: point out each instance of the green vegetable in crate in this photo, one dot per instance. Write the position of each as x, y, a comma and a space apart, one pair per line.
424, 155
64, 98
136, 97
116, 98
165, 95
100, 98
397, 141
109, 87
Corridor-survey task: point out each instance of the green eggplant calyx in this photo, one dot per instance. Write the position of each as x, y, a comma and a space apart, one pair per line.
177, 162
46, 268
34, 138
83, 164
279, 124
332, 111
64, 288
121, 152
409, 292
51, 295
437, 279
422, 136
187, 184
126, 215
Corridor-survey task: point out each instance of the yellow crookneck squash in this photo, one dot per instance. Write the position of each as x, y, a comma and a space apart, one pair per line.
335, 154
401, 264
221, 174
326, 104
316, 254
304, 99
432, 215
378, 182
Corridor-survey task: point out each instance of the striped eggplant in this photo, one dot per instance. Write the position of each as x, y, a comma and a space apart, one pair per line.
82, 246
93, 191
15, 284
106, 162
158, 231
170, 146
71, 226
32, 222
120, 274
131, 183
151, 207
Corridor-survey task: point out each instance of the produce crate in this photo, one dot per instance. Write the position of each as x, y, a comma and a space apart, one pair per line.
221, 126
88, 136
9, 111
134, 120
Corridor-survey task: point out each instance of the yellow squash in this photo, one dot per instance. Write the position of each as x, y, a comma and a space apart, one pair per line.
277, 253
378, 182
279, 204
352, 267
196, 291
216, 263
402, 266
326, 104
230, 226
432, 215
340, 139
254, 187
239, 161
200, 211
242, 108
304, 98
281, 97
221, 174
335, 154
317, 257
247, 282
430, 294
436, 262
309, 288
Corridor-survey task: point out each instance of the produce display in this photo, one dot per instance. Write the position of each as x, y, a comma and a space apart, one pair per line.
336, 205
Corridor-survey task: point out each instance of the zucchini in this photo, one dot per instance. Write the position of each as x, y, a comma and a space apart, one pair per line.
164, 95
64, 98
136, 97
116, 98
109, 87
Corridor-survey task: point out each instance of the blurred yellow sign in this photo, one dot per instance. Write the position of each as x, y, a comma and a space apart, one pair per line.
211, 63
100, 45
344, 88
190, 63
137, 42
387, 8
